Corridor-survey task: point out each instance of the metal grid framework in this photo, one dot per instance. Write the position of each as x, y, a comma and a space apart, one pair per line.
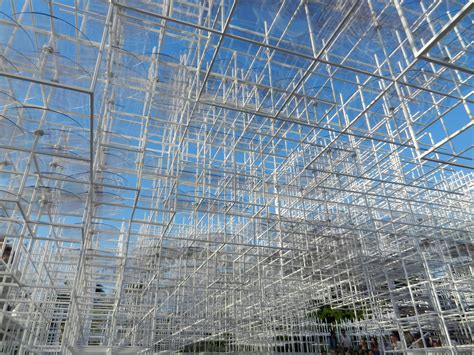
179, 174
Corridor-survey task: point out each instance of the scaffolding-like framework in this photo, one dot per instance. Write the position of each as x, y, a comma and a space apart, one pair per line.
209, 175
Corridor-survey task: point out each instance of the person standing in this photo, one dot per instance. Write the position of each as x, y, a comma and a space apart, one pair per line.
363, 346
374, 346
346, 342
395, 343
333, 342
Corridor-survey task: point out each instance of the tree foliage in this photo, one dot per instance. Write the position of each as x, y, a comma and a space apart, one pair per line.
333, 315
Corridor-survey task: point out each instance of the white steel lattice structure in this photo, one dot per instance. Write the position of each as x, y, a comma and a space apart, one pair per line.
209, 175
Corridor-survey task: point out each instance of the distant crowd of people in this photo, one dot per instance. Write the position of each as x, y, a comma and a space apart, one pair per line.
344, 344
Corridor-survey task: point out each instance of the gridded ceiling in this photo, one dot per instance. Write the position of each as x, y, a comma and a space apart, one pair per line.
207, 175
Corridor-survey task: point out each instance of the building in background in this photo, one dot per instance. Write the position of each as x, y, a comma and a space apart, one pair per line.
236, 176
